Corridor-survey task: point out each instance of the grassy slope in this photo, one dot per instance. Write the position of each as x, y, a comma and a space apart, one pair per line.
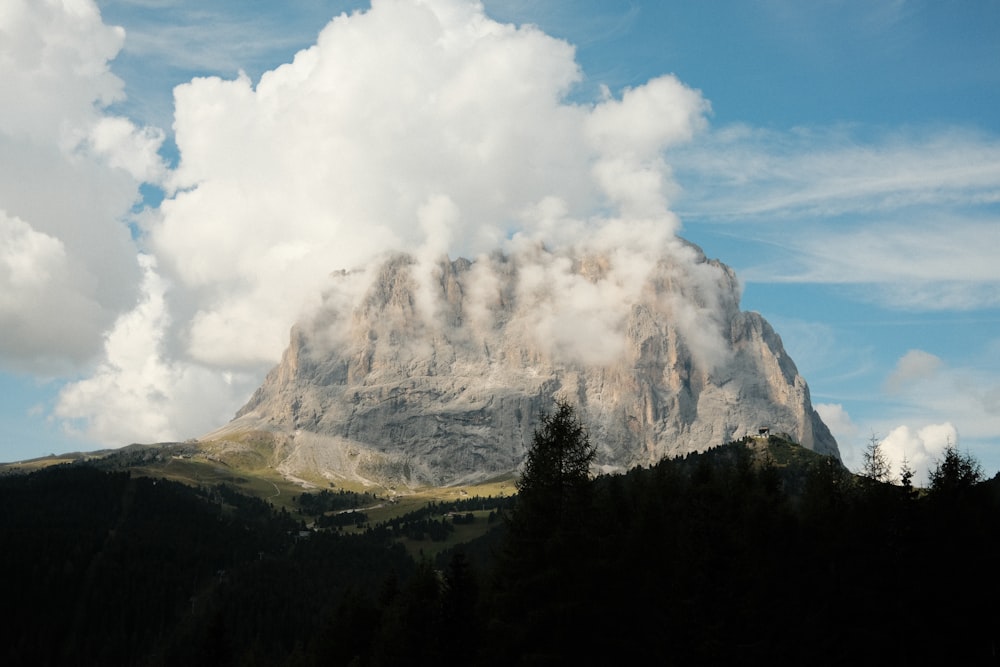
246, 462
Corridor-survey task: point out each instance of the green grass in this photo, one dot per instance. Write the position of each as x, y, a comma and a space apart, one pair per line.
35, 464
463, 533
399, 505
262, 482
786, 453
245, 461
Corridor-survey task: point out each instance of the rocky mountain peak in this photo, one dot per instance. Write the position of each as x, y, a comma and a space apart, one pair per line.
435, 372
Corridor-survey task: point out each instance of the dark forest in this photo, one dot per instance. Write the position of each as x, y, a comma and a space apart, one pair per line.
730, 555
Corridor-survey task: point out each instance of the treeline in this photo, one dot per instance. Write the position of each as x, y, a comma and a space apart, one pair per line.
434, 521
437, 520
317, 504
99, 567
728, 556
719, 557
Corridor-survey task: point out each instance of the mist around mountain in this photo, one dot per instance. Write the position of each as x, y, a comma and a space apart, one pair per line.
430, 371
758, 551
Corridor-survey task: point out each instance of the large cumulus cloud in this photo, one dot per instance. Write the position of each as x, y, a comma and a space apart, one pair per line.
69, 176
416, 125
339, 155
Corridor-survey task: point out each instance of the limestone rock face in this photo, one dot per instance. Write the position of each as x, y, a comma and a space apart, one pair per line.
422, 372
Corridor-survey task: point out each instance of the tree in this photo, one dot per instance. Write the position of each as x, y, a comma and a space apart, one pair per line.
555, 482
876, 465
458, 609
955, 474
906, 474
548, 552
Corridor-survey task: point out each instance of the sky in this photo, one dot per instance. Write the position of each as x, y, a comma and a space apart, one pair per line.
179, 178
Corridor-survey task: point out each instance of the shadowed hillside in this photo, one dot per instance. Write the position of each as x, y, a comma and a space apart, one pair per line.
756, 551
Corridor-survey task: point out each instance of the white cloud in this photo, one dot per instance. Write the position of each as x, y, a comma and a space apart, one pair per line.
124, 146
910, 216
139, 393
39, 298
962, 394
69, 176
738, 173
419, 126
919, 264
837, 420
926, 402
921, 448
932, 401
55, 52
914, 366
333, 159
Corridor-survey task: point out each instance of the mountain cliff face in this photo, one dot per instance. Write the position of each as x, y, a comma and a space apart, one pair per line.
436, 372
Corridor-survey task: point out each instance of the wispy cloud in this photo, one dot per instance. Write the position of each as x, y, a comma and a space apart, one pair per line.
911, 215
207, 42
945, 264
600, 23
914, 366
936, 403
969, 392
738, 174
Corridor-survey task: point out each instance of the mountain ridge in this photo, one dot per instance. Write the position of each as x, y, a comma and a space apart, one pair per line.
435, 372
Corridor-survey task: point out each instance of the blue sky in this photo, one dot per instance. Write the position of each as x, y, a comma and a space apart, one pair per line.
848, 169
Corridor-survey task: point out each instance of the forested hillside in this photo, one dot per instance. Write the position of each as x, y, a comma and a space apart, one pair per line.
742, 553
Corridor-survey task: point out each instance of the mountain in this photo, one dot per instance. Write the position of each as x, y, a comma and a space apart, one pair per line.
435, 371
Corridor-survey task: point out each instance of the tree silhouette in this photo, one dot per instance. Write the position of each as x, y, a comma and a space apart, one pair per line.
955, 474
876, 466
541, 568
555, 483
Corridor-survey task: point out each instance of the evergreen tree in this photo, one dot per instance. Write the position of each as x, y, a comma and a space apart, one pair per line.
555, 484
906, 473
955, 474
540, 602
876, 467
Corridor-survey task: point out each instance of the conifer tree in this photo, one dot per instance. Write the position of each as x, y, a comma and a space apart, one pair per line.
546, 555
955, 474
876, 465
554, 485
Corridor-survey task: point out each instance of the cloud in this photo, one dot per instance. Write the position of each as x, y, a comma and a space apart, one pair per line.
918, 264
55, 52
418, 126
738, 173
194, 36
914, 366
925, 391
38, 297
139, 393
905, 219
967, 392
838, 421
910, 215
334, 158
924, 401
920, 448
429, 127
67, 267
121, 145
